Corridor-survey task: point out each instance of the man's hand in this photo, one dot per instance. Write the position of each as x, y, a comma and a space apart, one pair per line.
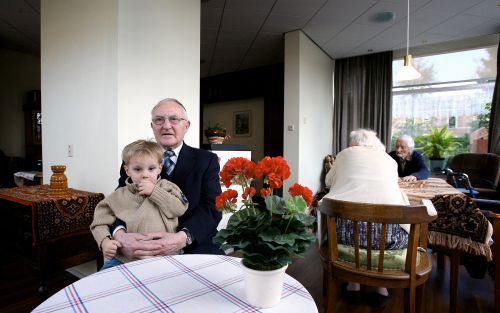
171, 243
409, 178
131, 243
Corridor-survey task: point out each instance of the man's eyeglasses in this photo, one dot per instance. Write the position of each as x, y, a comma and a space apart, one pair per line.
173, 120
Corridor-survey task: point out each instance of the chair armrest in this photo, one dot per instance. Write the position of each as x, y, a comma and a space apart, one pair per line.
431, 210
488, 204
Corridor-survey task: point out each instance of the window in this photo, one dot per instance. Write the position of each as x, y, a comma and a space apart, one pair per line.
455, 91
452, 122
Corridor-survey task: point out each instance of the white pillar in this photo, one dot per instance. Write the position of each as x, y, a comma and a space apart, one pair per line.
308, 109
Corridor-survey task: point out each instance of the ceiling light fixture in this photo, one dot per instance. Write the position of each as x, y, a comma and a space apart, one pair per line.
407, 72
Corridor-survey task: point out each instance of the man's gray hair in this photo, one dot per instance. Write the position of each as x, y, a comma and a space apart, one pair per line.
408, 140
171, 100
365, 138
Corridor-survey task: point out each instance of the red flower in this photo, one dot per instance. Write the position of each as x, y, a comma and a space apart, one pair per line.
249, 191
237, 170
275, 171
274, 181
264, 192
241, 171
298, 190
226, 199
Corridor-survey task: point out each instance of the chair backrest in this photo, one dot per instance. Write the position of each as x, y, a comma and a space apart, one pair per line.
483, 169
417, 216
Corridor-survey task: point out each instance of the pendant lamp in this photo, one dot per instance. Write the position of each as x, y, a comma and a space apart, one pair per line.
407, 72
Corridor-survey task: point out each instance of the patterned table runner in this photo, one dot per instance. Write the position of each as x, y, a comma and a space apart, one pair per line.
460, 225
55, 214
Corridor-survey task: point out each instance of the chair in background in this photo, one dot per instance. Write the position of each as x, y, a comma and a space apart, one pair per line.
478, 173
415, 267
491, 209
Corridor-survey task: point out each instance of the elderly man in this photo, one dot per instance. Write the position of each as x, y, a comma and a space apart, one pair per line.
411, 165
196, 172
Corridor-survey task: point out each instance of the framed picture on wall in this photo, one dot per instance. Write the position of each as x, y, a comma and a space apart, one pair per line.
242, 123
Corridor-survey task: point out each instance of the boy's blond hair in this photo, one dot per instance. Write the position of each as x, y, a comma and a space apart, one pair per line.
142, 147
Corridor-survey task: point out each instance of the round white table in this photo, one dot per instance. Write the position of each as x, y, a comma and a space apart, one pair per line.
181, 283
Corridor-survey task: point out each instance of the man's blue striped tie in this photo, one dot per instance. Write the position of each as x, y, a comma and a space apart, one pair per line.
168, 164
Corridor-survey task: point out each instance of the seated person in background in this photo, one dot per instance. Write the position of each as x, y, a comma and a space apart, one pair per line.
411, 165
147, 203
328, 161
365, 173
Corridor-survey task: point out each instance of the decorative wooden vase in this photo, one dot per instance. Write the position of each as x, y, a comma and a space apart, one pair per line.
58, 181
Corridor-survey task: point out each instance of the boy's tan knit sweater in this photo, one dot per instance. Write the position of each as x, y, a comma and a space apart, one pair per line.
157, 213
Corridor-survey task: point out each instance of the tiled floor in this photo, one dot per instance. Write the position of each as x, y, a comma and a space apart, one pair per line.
83, 270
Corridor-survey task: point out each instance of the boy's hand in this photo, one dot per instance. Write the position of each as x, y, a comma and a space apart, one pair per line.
145, 187
109, 247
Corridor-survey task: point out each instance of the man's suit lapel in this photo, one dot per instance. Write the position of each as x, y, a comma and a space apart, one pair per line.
184, 164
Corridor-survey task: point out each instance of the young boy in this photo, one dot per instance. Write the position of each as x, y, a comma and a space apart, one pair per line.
146, 204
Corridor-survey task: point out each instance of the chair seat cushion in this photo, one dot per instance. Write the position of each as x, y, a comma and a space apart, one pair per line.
393, 259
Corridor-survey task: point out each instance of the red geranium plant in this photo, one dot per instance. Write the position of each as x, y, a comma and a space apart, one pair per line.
271, 234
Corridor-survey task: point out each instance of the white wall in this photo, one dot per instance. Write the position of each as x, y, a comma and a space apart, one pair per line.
158, 57
223, 113
308, 107
104, 66
19, 73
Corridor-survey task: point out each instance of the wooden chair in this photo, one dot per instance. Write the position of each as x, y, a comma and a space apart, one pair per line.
411, 278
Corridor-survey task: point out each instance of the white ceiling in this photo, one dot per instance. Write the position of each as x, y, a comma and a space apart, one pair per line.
242, 34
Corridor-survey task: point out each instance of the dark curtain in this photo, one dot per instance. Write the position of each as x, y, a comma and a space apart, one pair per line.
494, 131
363, 97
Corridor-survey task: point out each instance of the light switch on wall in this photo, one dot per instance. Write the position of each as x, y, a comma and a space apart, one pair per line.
70, 151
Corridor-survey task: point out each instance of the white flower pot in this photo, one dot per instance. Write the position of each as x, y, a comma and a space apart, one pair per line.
263, 288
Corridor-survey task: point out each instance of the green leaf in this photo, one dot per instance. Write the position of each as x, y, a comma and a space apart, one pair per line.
305, 219
295, 205
438, 143
275, 204
269, 241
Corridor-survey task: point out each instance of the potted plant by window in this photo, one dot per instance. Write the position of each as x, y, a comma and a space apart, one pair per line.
436, 145
215, 134
268, 235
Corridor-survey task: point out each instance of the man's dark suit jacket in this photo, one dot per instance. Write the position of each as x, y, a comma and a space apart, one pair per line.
415, 166
197, 175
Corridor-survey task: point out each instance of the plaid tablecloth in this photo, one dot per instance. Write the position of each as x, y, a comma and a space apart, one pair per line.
182, 283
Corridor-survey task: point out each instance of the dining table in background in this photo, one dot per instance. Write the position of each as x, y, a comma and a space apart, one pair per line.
181, 283
460, 229
426, 189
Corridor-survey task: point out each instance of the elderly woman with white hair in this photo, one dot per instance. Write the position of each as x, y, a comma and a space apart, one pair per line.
365, 173
411, 166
